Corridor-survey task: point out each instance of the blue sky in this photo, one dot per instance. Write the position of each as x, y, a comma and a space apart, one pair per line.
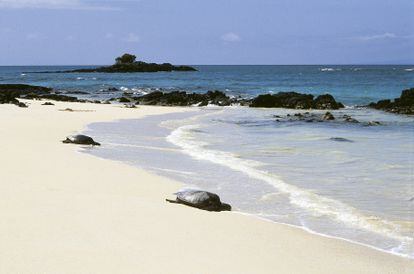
58, 32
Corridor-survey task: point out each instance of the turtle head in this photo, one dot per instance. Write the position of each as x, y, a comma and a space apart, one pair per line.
225, 207
96, 144
67, 141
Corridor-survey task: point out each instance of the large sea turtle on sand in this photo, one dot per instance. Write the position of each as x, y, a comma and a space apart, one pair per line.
200, 199
80, 140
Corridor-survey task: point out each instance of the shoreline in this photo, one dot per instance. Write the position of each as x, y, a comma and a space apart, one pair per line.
271, 247
195, 114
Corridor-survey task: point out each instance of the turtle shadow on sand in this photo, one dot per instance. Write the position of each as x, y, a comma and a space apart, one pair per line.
76, 110
200, 199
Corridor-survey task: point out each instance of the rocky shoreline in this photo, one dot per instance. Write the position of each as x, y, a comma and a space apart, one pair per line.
9, 93
402, 105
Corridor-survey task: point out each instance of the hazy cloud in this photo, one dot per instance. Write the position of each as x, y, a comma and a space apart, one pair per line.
55, 4
132, 38
230, 37
383, 36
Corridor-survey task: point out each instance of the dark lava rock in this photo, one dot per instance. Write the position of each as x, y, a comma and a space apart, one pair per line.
311, 117
328, 116
181, 98
326, 101
9, 92
59, 97
22, 105
283, 100
127, 63
76, 92
109, 90
124, 100
48, 104
349, 119
402, 105
295, 100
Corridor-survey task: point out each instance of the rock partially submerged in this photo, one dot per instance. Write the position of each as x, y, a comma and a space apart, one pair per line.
295, 100
311, 117
402, 105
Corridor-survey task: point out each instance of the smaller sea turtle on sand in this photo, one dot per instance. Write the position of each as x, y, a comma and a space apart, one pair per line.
80, 140
200, 199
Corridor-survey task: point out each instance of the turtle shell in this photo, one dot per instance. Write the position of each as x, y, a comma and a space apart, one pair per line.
199, 199
80, 139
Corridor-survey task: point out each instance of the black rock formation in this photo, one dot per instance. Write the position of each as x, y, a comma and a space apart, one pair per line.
402, 105
127, 64
295, 100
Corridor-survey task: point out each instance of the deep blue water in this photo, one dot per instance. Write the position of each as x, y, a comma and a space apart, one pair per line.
353, 84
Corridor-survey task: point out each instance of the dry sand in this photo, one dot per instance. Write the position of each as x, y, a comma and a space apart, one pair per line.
68, 212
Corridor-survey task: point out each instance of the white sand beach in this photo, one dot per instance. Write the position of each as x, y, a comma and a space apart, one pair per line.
68, 212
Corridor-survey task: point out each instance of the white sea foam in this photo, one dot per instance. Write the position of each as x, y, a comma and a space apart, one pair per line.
409, 69
327, 69
314, 204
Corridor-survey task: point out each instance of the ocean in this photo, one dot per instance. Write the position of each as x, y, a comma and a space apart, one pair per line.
352, 181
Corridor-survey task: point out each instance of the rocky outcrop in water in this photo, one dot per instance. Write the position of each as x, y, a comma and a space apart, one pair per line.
181, 98
402, 105
295, 100
127, 64
327, 117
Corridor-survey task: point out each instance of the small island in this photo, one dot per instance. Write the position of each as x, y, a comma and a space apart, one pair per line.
127, 64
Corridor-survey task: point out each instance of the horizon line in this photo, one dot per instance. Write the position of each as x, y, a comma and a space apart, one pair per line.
294, 64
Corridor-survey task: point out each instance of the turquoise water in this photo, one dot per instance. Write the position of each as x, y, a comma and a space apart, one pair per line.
350, 84
287, 172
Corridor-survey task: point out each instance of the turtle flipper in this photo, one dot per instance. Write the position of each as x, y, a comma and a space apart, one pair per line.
172, 201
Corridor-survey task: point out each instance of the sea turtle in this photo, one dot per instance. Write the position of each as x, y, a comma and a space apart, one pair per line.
200, 199
80, 140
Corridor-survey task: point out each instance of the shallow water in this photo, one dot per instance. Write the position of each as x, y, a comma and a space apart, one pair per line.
289, 172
